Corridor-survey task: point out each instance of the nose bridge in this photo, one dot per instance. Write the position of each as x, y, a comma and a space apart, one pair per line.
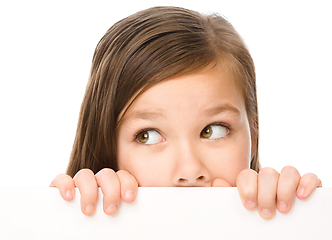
189, 169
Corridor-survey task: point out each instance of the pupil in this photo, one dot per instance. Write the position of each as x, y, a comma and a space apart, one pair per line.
143, 137
207, 132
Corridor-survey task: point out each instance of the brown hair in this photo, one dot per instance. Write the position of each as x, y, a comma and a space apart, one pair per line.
142, 50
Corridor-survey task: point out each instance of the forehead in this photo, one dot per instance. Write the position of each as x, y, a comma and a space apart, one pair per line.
209, 88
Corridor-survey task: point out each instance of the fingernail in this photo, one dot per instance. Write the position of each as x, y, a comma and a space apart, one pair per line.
250, 204
282, 205
69, 194
302, 192
111, 209
266, 212
89, 209
129, 194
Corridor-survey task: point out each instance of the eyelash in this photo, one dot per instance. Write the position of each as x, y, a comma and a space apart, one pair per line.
144, 130
220, 124
211, 124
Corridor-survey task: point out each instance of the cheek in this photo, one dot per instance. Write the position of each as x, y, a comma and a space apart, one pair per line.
148, 167
228, 166
230, 159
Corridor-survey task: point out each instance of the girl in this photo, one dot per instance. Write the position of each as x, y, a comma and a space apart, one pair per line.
171, 101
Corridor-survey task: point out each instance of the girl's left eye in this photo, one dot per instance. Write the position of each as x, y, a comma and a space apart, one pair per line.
149, 137
214, 131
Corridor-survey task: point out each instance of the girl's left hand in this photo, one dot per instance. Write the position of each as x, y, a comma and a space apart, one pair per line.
269, 190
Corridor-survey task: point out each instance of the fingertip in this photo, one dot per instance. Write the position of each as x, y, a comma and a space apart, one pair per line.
129, 196
111, 209
283, 207
70, 193
301, 193
250, 205
66, 186
308, 183
67, 190
89, 209
267, 214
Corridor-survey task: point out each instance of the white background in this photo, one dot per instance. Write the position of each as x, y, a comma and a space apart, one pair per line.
160, 213
46, 49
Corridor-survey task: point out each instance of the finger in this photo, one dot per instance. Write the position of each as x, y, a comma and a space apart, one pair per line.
246, 183
267, 191
110, 187
218, 182
86, 182
66, 186
129, 186
288, 181
308, 183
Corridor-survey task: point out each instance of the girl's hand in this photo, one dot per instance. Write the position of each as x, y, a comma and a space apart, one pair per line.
269, 190
114, 186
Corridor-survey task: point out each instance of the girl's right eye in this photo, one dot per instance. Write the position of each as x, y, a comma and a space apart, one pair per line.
149, 137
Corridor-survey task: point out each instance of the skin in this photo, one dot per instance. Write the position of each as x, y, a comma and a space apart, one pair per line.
175, 114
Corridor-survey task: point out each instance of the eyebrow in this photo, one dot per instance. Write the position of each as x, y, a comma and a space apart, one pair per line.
221, 109
144, 115
159, 115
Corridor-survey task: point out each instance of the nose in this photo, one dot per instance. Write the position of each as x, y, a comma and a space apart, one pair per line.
192, 182
190, 169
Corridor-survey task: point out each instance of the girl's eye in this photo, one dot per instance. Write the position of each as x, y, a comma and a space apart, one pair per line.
214, 131
149, 137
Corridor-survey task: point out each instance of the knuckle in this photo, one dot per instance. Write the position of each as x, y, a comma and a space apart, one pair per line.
63, 181
83, 173
66, 182
107, 179
62, 175
268, 172
58, 177
106, 171
122, 172
308, 179
310, 176
124, 176
290, 170
246, 174
127, 181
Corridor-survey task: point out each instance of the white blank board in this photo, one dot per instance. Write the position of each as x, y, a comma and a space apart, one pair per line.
160, 213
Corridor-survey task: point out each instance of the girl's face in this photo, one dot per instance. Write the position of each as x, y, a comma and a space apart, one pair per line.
186, 131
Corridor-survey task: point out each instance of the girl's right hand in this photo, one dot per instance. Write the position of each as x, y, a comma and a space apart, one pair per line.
114, 186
